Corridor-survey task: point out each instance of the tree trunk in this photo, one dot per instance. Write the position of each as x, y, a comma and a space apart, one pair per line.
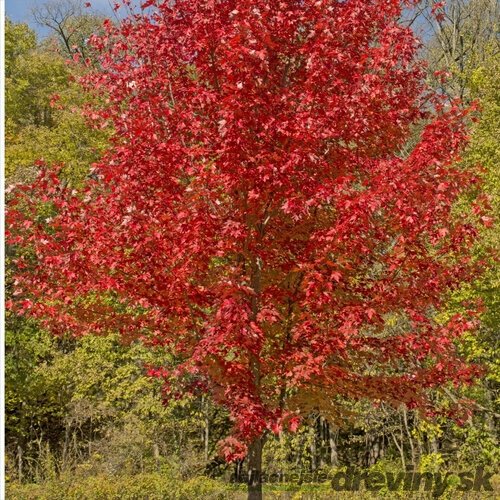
323, 435
20, 462
238, 465
373, 449
434, 445
401, 449
312, 445
156, 454
255, 470
410, 440
206, 429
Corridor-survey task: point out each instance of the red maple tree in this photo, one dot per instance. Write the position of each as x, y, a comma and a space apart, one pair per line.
255, 212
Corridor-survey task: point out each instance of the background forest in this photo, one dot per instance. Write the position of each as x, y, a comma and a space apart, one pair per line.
83, 420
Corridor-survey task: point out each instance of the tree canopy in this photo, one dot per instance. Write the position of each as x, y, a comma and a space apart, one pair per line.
254, 214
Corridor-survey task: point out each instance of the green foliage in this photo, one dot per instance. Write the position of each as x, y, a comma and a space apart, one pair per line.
484, 150
143, 486
42, 106
35, 77
87, 405
480, 447
19, 40
33, 401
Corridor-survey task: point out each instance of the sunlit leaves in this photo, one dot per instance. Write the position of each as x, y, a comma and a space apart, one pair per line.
253, 213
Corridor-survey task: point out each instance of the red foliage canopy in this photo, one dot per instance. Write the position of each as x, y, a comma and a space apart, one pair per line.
255, 210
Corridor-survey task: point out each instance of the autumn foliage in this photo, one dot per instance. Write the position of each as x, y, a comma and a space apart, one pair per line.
260, 210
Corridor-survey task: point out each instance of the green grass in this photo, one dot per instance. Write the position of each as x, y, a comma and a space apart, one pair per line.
162, 487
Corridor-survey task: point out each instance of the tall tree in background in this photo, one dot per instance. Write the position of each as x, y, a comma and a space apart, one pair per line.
460, 36
70, 23
253, 214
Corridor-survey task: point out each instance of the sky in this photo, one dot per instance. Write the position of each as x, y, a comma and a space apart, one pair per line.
19, 11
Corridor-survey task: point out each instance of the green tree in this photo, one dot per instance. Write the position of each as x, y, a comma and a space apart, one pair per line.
19, 40
42, 107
